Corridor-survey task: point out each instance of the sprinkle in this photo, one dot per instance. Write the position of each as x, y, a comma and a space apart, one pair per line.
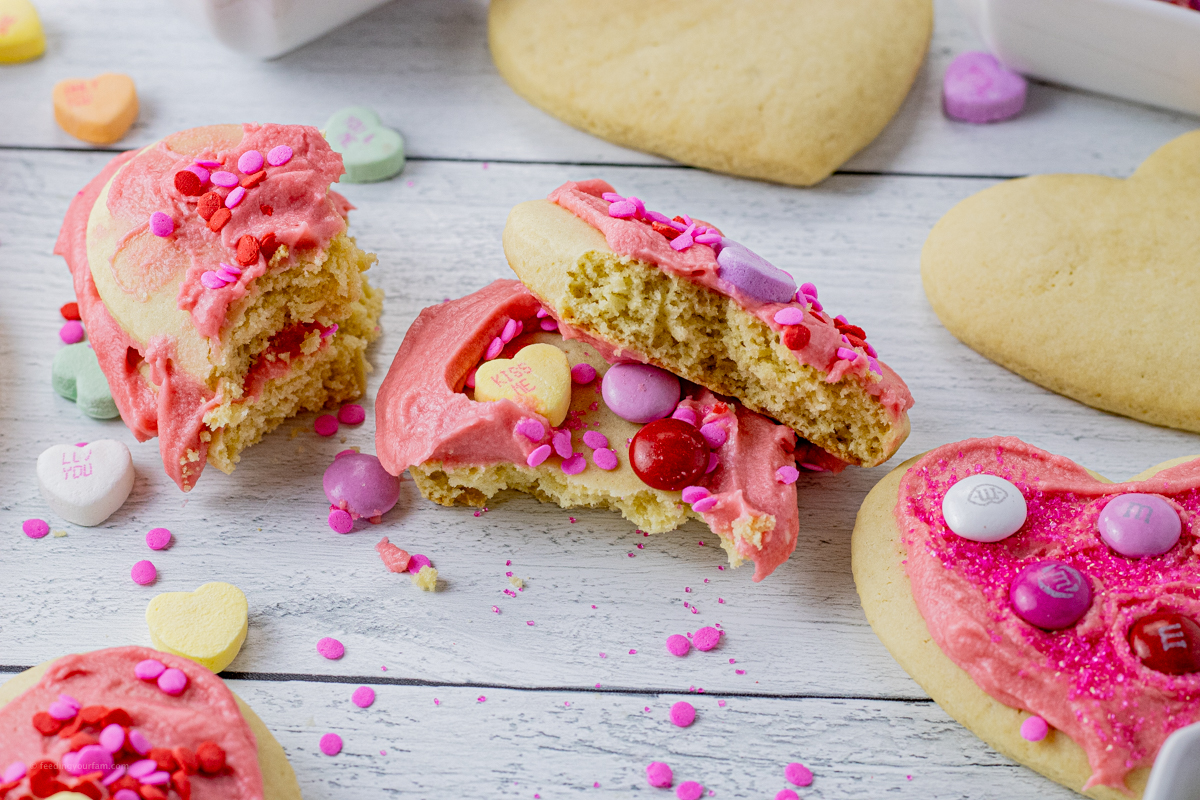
173, 682
812, 301
416, 561
549, 324
62, 711
495, 609
331, 744
542, 313
708, 238
531, 429
224, 179
846, 354
208, 163
529, 623
562, 443
714, 434
161, 224
714, 461
235, 197
352, 414
705, 505
143, 573
693, 493
574, 465
279, 155
678, 645
188, 182
14, 772
583, 374
740, 671
595, 440
209, 204
494, 348
606, 460
140, 769
798, 774
733, 661
212, 280
363, 697
789, 316
481, 699
250, 181
330, 331
140, 743
604, 655
622, 209
340, 520
326, 425
538, 455
706, 638
69, 311
689, 790
719, 599
659, 775
71, 332
226, 275
250, 162
149, 670
807, 290
787, 474
331, 648
1034, 729
683, 714
873, 366
787, 794
633, 652
510, 331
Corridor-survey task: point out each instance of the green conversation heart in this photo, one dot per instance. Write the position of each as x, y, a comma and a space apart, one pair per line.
370, 151
76, 375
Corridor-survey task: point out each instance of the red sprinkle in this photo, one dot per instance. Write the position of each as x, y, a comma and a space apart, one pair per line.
47, 725
250, 181
219, 218
209, 204
70, 311
269, 245
182, 784
187, 760
247, 250
211, 757
266, 209
188, 183
796, 337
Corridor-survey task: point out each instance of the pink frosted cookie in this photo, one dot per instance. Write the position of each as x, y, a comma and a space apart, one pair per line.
481, 398
1053, 613
220, 302
116, 722
609, 271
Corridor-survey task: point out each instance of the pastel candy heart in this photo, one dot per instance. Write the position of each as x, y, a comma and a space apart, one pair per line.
754, 275
21, 34
85, 485
99, 110
538, 377
76, 375
978, 88
208, 625
370, 151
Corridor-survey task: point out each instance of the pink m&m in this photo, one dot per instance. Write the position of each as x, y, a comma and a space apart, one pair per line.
639, 392
1137, 525
1050, 595
358, 483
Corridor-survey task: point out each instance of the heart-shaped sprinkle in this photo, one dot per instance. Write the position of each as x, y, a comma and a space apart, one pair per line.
208, 625
21, 34
99, 110
85, 485
76, 375
978, 88
538, 377
370, 151
753, 275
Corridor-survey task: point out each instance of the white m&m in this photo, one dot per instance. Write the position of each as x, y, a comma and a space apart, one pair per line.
85, 484
984, 508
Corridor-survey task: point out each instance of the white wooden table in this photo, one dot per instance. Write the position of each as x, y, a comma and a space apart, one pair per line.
559, 719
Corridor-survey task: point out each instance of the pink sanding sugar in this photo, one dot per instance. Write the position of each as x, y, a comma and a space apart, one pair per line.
326, 425
331, 744
798, 774
158, 538
331, 648
363, 697
35, 528
706, 638
659, 775
689, 790
143, 573
683, 714
352, 414
678, 645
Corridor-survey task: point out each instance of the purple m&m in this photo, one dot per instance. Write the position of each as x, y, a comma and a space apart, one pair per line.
639, 392
1050, 595
753, 275
978, 88
1137, 525
361, 482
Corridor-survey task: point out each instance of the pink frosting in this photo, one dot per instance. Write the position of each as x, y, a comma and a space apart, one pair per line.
423, 415
1085, 680
205, 712
637, 239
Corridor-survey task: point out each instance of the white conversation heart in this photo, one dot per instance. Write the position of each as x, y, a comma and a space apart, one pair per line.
85, 485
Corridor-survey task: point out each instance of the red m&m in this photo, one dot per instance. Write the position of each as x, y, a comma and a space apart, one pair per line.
668, 454
1167, 642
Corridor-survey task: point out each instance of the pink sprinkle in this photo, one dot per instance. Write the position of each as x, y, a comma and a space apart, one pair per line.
542, 313
606, 460
212, 280
173, 682
35, 528
787, 474
17, 769
495, 609
140, 743
562, 443
714, 434
200, 169
235, 197
720, 599
641, 546
798, 774
330, 331
363, 697
595, 440
140, 769
207, 163
714, 461
224, 179
71, 332
62, 711
789, 316
529, 623
721, 703
689, 790
809, 290
250, 162
279, 155
352, 414
510, 330
733, 661
622, 209
416, 561
531, 429
846, 354
549, 324
143, 573
683, 714
678, 645
470, 381
157, 778
873, 366
740, 671
685, 414
633, 652
331, 648
706, 638
340, 520
494, 349
708, 238
693, 493
575, 464
149, 670
812, 301
538, 455
659, 775
604, 655
787, 794
326, 425
226, 275
583, 373
1034, 729
437, 702
705, 505
331, 744
161, 224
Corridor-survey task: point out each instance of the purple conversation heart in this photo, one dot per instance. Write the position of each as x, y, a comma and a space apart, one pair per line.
639, 392
754, 275
361, 482
1137, 525
978, 88
1050, 595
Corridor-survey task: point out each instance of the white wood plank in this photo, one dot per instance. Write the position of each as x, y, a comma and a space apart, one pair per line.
424, 65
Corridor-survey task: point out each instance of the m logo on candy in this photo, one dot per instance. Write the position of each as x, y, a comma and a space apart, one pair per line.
987, 494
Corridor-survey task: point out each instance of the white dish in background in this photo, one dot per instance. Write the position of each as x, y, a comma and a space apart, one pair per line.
270, 28
1147, 51
1176, 772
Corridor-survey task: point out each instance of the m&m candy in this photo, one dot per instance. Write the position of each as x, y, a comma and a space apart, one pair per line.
1167, 642
984, 508
1137, 525
669, 454
1050, 595
639, 392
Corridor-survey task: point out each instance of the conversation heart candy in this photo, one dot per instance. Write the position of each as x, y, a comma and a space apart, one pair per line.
76, 375
370, 151
208, 625
639, 392
1137, 525
85, 485
358, 483
21, 34
984, 508
1050, 595
753, 275
99, 110
1167, 642
978, 88
538, 377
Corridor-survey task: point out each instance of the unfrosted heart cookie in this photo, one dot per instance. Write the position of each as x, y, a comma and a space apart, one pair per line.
208, 625
85, 484
1083, 284
782, 90
99, 110
76, 375
370, 150
1081, 622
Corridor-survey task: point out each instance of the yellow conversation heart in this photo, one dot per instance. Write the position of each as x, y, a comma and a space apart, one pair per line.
98, 110
207, 625
21, 35
537, 377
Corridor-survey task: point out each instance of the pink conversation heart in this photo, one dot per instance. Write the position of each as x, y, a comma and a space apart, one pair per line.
978, 88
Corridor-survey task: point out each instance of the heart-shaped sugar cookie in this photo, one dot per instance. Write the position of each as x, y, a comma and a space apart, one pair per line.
76, 375
370, 151
1084, 284
1086, 617
21, 34
99, 110
538, 377
782, 90
208, 625
85, 484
